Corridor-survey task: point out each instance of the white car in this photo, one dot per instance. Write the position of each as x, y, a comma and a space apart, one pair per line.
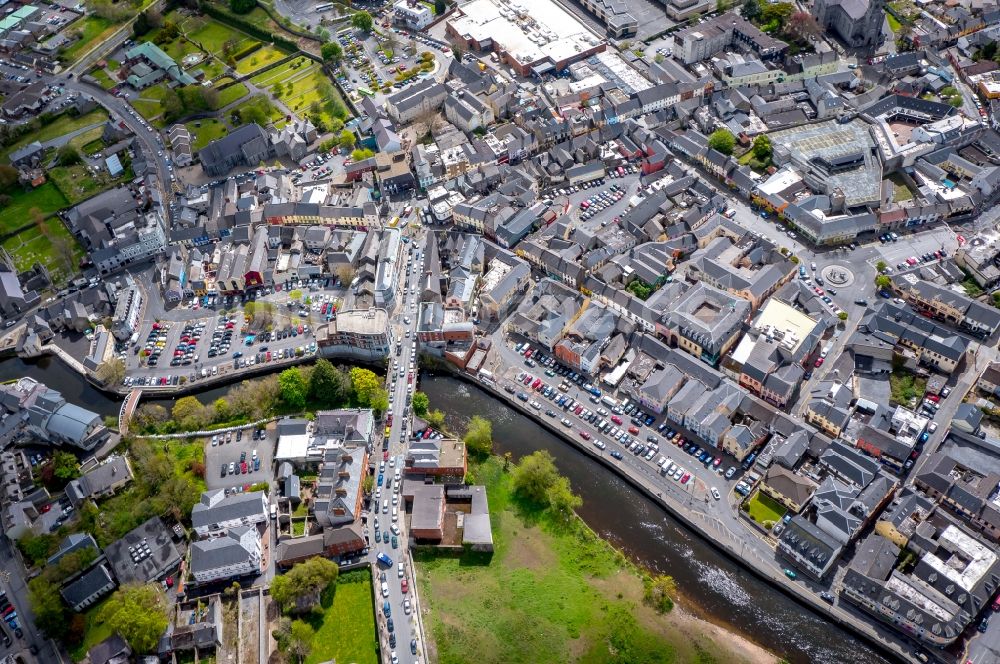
715, 494
385, 589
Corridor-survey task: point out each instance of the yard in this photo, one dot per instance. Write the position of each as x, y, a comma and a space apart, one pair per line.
551, 592
905, 388
44, 245
345, 629
103, 79
262, 57
900, 191
64, 124
304, 87
96, 632
204, 132
147, 109
281, 73
47, 199
78, 183
763, 508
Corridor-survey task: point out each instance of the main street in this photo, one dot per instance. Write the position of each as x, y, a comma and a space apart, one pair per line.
401, 379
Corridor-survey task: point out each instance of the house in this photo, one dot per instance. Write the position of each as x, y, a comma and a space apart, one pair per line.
102, 481
332, 542
88, 588
788, 488
217, 512
235, 554
338, 494
426, 510
44, 413
431, 458
415, 100
112, 650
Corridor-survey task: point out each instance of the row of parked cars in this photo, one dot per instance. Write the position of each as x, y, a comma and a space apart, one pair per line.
242, 467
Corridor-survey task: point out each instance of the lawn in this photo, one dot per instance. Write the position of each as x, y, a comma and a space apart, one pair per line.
262, 57
96, 632
64, 124
46, 198
765, 508
281, 73
103, 79
93, 30
232, 93
77, 182
213, 35
305, 91
147, 109
894, 23
905, 388
33, 245
157, 92
345, 630
900, 191
551, 592
208, 131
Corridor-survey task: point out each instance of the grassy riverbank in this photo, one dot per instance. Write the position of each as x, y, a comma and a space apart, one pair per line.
554, 592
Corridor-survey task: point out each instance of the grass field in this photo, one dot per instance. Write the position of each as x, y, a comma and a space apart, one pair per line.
93, 30
552, 592
259, 58
46, 198
213, 35
232, 93
894, 24
103, 79
77, 183
304, 92
208, 131
147, 109
96, 632
764, 508
178, 48
32, 245
345, 630
282, 73
64, 124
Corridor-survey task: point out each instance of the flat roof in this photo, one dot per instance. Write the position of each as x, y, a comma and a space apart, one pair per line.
540, 30
786, 320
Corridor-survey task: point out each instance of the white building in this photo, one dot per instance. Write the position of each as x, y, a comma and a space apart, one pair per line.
217, 513
412, 14
125, 321
236, 554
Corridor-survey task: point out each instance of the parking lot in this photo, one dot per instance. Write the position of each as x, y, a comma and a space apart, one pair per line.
916, 245
236, 450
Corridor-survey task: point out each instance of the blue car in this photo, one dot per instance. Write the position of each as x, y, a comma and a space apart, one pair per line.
380, 478
924, 436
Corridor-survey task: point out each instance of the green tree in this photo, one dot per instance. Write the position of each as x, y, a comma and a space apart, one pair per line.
368, 484
439, 7
364, 382
421, 402
535, 475
65, 466
750, 10
883, 281
68, 155
138, 613
360, 154
842, 315
299, 590
660, 591
223, 413
327, 384
479, 437
189, 413
47, 604
293, 388
242, 6
300, 640
346, 140
331, 52
762, 148
774, 16
362, 21
8, 176
435, 418
37, 548
295, 295
881, 266
562, 501
379, 401
111, 372
722, 140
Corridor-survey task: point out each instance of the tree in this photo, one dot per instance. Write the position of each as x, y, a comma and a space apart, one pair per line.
774, 15
883, 281
750, 10
242, 6
439, 7
189, 413
364, 382
881, 266
722, 140
420, 402
37, 548
535, 475
360, 154
346, 139
111, 372
762, 148
479, 437
362, 21
68, 155
138, 613
802, 26
562, 501
299, 590
660, 591
368, 484
223, 413
300, 640
379, 401
65, 466
48, 607
435, 418
150, 415
293, 388
295, 295
327, 384
842, 315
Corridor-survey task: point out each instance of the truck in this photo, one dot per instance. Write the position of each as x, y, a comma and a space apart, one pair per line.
485, 376
609, 401
384, 560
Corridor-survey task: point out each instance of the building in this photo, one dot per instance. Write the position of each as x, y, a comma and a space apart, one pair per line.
617, 20
104, 480
148, 64
128, 312
704, 39
705, 322
858, 23
332, 542
88, 588
443, 459
966, 492
237, 553
144, 554
788, 488
360, 332
39, 411
415, 100
412, 14
217, 512
246, 146
338, 493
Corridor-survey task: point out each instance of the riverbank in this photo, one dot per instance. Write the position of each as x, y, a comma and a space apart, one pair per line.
554, 592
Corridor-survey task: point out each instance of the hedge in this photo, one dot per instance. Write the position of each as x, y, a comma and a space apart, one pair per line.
244, 52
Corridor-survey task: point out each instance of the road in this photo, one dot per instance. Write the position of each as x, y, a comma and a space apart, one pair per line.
12, 570
406, 627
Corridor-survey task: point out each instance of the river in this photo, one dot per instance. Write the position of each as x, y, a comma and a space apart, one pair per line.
713, 586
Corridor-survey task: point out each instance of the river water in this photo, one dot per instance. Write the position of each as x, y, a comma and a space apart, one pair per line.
714, 587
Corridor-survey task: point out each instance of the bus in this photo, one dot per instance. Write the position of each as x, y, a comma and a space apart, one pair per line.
324, 7
364, 92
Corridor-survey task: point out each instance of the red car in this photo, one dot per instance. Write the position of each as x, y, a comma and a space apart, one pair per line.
538, 381
584, 435
404, 586
243, 467
633, 430
685, 478
933, 397
409, 378
818, 363
527, 379
616, 419
385, 455
578, 410
170, 582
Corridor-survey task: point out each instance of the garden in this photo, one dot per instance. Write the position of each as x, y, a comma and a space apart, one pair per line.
46, 198
764, 509
47, 242
204, 132
344, 628
62, 124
